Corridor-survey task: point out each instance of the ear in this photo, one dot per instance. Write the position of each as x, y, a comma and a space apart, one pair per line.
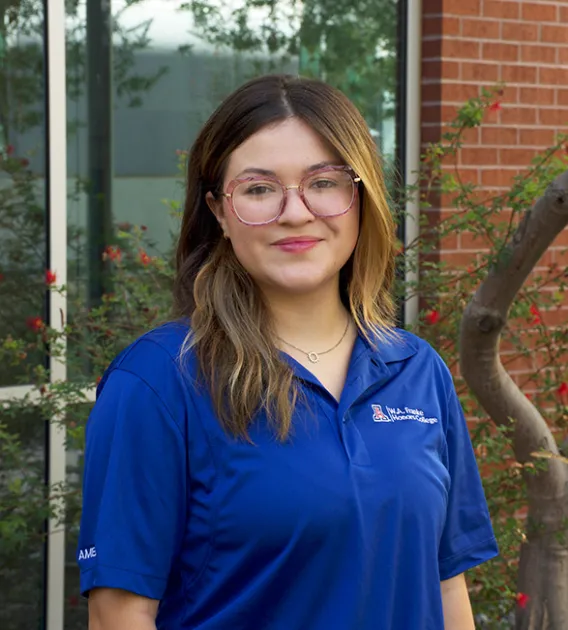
216, 207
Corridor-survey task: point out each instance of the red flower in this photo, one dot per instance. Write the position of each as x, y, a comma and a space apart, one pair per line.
522, 599
563, 389
432, 317
97, 380
35, 323
143, 228
495, 106
124, 226
50, 277
528, 396
537, 317
144, 258
24, 162
9, 149
112, 253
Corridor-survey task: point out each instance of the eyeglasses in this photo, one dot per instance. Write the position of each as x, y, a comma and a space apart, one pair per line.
327, 192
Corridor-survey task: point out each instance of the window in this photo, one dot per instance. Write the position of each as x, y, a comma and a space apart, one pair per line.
128, 85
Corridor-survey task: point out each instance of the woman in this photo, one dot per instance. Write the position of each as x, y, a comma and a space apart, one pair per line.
291, 462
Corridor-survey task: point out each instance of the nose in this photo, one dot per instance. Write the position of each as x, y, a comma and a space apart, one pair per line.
295, 210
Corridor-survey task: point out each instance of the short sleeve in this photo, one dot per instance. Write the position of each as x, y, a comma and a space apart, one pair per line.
467, 539
134, 490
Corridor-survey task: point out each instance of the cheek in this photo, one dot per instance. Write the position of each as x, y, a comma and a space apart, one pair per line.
246, 241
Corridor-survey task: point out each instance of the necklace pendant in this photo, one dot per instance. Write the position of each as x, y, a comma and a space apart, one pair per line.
313, 357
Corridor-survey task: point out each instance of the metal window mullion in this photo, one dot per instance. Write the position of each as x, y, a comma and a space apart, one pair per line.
57, 262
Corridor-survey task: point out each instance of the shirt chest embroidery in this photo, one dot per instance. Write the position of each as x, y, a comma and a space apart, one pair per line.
398, 414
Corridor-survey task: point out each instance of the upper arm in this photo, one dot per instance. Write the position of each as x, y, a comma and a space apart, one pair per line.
135, 490
467, 538
115, 609
456, 604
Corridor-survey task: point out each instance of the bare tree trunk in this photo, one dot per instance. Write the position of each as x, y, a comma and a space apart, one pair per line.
543, 572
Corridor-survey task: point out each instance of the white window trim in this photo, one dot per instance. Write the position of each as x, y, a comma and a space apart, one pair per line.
412, 149
57, 204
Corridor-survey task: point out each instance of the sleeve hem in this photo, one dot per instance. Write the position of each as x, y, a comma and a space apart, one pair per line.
468, 558
102, 576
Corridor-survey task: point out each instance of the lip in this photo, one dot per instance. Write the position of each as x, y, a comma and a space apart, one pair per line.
297, 243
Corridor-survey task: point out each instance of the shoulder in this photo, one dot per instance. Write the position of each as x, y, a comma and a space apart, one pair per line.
419, 354
153, 358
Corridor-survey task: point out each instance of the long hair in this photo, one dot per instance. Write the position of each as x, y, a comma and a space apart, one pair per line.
231, 331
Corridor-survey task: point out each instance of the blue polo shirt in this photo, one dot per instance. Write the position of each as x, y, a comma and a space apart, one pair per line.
350, 524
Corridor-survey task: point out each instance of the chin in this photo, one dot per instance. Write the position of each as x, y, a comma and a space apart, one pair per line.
300, 284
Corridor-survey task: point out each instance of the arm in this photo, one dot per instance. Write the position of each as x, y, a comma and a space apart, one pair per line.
115, 609
455, 601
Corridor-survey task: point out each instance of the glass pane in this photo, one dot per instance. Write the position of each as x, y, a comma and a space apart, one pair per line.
23, 511
170, 64
22, 185
141, 82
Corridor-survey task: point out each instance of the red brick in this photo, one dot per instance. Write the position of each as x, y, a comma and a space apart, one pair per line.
471, 136
451, 26
431, 48
438, 69
557, 117
499, 135
460, 48
458, 92
430, 132
469, 240
563, 56
440, 25
538, 12
554, 34
563, 14
536, 137
553, 76
431, 92
519, 115
518, 74
501, 52
482, 72
516, 157
498, 177
562, 97
438, 113
480, 29
537, 96
462, 7
520, 31
478, 156
562, 239
459, 259
539, 54
502, 10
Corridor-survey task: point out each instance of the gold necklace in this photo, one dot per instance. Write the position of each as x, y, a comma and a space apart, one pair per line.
314, 357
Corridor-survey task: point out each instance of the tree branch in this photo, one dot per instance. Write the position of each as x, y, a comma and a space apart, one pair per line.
484, 319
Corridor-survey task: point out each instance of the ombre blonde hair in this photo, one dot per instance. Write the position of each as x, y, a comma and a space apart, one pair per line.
231, 331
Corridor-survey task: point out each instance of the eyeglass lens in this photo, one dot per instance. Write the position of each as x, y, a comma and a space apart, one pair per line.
327, 194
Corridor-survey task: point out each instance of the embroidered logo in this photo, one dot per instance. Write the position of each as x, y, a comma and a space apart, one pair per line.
396, 414
88, 553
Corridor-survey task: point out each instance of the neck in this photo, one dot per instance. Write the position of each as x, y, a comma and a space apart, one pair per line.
310, 321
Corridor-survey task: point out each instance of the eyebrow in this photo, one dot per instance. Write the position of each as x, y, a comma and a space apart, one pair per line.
262, 171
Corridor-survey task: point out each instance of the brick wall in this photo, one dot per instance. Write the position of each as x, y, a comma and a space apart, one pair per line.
472, 43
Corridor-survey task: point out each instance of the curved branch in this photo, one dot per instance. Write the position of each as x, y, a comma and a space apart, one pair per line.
482, 324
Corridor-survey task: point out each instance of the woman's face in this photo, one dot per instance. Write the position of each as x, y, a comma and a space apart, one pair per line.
299, 252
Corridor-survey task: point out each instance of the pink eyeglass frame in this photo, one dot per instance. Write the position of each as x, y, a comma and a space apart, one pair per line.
300, 188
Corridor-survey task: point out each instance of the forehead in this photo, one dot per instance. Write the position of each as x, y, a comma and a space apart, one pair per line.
288, 147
